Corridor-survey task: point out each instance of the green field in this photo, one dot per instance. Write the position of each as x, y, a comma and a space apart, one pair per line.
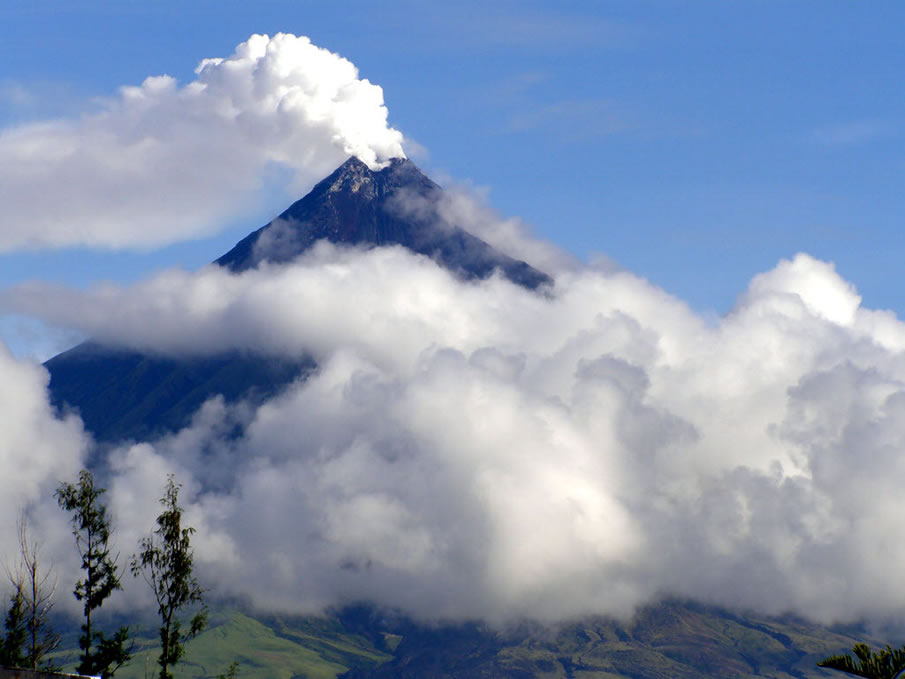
309, 647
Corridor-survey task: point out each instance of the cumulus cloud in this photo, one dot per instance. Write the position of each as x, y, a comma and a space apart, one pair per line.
474, 449
34, 440
163, 162
38, 449
853, 133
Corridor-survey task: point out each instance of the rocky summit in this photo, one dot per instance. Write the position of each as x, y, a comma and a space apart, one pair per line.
396, 205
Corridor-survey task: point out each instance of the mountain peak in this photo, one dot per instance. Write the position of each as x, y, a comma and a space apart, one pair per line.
354, 174
350, 176
394, 205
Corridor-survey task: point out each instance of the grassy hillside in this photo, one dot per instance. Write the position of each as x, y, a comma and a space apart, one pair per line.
265, 649
667, 641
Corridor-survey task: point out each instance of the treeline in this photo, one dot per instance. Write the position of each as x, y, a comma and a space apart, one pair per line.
164, 559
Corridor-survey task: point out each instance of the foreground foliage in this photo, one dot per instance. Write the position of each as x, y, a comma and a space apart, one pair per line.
886, 663
29, 640
12, 645
92, 528
167, 563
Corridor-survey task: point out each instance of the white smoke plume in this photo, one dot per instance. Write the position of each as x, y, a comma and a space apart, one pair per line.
162, 163
478, 450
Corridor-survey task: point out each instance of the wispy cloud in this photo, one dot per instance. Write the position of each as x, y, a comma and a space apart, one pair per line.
574, 119
13, 93
854, 132
511, 25
548, 27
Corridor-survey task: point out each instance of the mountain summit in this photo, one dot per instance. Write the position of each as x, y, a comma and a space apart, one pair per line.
397, 205
126, 394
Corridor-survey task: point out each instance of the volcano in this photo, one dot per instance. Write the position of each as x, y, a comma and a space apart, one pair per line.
396, 205
122, 394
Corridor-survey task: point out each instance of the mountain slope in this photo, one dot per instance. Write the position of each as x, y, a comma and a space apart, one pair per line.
671, 640
393, 206
124, 394
266, 647
129, 395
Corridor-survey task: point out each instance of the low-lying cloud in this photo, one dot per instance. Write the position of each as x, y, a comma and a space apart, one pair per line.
163, 162
37, 447
474, 449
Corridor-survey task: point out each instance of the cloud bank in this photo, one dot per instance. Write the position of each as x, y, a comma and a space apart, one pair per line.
161, 163
478, 450
37, 447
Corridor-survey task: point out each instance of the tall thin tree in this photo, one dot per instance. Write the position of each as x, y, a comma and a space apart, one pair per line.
167, 563
92, 528
37, 585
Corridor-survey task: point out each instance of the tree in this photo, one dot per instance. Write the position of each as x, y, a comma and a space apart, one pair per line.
231, 672
101, 655
887, 663
166, 562
36, 587
12, 646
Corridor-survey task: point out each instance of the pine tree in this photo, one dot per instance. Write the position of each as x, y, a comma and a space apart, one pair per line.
12, 646
166, 561
101, 655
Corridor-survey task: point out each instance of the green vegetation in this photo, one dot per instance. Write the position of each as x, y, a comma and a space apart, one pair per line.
887, 663
672, 640
167, 563
28, 639
235, 646
277, 650
92, 528
36, 584
231, 671
12, 645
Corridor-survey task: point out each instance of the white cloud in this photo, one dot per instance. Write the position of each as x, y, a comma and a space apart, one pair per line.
162, 163
38, 450
476, 449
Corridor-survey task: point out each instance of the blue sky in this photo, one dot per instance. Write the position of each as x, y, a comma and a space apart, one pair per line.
694, 143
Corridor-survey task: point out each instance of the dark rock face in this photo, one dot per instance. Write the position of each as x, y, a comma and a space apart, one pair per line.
393, 206
123, 394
